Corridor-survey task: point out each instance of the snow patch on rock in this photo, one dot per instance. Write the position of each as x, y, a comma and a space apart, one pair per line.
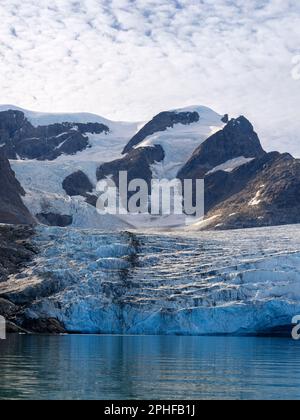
257, 199
231, 165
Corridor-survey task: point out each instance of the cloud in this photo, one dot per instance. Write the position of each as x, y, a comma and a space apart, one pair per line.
129, 59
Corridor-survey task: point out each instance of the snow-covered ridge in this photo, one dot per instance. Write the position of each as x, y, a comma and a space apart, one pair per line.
42, 118
164, 284
205, 112
180, 141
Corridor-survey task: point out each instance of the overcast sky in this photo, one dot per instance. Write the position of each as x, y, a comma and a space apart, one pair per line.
130, 59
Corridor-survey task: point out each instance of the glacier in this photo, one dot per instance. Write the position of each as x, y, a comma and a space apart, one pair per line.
238, 282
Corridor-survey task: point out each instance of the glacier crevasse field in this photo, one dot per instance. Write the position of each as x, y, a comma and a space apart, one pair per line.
238, 282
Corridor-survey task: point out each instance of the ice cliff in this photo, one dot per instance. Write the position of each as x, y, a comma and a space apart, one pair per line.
238, 282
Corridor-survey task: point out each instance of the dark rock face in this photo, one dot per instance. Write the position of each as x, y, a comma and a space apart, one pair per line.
262, 193
91, 199
16, 250
50, 149
137, 164
7, 309
219, 186
43, 326
51, 219
162, 122
10, 312
238, 138
77, 183
25, 141
16, 253
12, 208
225, 119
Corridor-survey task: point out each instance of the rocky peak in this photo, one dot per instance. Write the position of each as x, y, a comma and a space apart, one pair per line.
236, 139
162, 122
240, 123
11, 121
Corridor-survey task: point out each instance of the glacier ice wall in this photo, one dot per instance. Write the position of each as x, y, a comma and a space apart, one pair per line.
242, 282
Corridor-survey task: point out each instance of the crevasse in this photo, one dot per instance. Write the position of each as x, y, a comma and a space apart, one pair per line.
240, 282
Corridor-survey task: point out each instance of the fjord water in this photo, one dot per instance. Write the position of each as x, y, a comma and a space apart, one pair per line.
148, 367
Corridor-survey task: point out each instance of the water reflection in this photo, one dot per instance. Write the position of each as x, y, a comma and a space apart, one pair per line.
118, 367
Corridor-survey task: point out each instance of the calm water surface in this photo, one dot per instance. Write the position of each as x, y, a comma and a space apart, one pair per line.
122, 367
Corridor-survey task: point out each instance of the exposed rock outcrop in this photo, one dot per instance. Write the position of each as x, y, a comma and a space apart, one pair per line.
137, 164
7, 308
263, 193
77, 183
16, 249
43, 326
12, 208
17, 253
221, 185
52, 219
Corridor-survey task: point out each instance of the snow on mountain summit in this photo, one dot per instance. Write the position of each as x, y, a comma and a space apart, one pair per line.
119, 128
179, 132
44, 118
203, 111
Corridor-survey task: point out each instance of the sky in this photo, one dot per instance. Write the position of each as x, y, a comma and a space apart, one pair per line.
130, 59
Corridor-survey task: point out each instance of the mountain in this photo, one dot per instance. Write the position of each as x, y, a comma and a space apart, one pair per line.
179, 133
12, 208
163, 145
192, 142
45, 168
59, 158
244, 186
